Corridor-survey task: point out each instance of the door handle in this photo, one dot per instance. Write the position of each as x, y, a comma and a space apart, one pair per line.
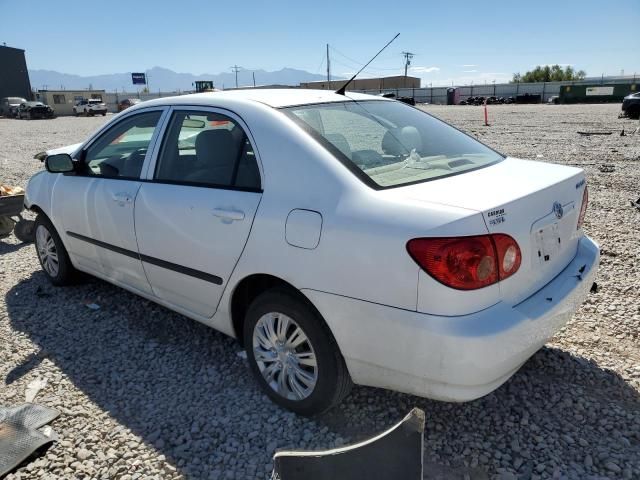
230, 215
122, 197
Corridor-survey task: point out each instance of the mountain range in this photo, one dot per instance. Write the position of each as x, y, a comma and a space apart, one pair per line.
167, 80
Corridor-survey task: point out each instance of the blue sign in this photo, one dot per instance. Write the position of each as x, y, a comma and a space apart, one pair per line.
138, 78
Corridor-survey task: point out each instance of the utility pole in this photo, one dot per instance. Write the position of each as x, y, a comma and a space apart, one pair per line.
235, 70
328, 69
407, 61
254, 79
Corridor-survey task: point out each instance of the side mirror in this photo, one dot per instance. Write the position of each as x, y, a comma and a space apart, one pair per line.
60, 163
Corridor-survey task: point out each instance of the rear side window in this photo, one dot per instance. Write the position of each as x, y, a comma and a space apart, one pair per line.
207, 149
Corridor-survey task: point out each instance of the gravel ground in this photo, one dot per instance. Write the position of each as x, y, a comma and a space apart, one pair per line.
147, 393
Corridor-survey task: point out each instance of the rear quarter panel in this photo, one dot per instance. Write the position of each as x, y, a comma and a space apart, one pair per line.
362, 249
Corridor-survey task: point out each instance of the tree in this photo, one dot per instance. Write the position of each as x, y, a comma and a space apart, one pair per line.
546, 73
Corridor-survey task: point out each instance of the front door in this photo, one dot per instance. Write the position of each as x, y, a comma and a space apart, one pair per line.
96, 204
194, 213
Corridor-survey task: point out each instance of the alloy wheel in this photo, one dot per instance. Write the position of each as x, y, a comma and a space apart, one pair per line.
285, 356
47, 251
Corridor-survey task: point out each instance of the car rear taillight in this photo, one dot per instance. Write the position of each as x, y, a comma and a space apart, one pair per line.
467, 263
583, 207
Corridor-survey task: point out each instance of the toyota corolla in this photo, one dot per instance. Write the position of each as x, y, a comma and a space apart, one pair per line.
340, 238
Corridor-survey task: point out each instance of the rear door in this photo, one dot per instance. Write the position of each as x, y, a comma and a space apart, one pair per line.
194, 213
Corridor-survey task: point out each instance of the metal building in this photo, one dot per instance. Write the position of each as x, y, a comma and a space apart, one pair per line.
14, 77
380, 83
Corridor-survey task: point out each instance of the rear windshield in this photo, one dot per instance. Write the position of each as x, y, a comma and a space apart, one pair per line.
388, 143
95, 101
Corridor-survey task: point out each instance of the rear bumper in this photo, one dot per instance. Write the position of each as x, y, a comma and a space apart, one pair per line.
453, 358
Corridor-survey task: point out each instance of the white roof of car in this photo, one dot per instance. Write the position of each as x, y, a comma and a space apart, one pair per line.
276, 98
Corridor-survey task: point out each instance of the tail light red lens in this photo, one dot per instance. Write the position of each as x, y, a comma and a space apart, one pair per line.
467, 263
508, 255
583, 207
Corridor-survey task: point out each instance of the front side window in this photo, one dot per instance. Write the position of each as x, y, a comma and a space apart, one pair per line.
208, 149
120, 151
389, 144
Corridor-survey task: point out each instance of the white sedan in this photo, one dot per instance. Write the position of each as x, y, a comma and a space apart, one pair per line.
339, 238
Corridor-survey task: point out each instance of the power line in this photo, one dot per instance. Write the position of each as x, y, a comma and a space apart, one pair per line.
357, 63
370, 71
321, 64
235, 69
407, 61
328, 68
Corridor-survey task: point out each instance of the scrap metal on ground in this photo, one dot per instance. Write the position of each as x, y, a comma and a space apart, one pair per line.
19, 434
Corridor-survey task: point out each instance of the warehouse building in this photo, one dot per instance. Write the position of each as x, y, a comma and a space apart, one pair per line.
380, 83
14, 77
62, 101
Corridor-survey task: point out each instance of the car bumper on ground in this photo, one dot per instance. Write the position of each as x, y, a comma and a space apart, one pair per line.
456, 358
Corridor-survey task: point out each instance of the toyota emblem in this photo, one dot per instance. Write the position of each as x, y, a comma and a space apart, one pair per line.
557, 209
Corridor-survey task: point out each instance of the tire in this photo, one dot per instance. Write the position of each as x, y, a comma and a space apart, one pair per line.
24, 231
104, 114
309, 390
75, 113
48, 241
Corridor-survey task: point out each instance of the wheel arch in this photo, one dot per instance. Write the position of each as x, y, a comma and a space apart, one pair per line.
35, 208
249, 288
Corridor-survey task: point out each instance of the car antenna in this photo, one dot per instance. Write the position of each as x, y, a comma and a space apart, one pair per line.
342, 89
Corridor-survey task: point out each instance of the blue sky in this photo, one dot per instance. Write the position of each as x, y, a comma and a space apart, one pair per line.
461, 41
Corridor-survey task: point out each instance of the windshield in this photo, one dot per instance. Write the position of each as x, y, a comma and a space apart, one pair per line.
390, 143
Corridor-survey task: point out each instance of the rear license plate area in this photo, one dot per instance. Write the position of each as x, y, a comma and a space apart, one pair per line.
547, 243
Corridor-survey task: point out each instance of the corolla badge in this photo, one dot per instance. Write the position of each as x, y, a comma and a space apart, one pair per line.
557, 209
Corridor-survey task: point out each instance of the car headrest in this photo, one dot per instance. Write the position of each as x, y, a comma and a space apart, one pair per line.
410, 138
340, 142
216, 146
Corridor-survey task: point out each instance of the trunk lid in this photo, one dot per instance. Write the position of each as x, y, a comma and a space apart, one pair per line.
536, 203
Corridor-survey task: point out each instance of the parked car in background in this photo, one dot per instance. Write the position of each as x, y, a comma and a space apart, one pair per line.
9, 106
341, 238
92, 106
631, 105
33, 110
128, 102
